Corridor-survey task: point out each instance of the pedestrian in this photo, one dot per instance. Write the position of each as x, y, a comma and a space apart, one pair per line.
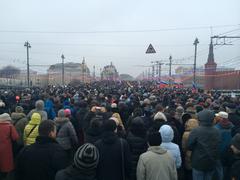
115, 159
189, 126
167, 136
66, 135
84, 165
42, 160
137, 141
8, 135
156, 163
39, 108
225, 127
31, 129
204, 142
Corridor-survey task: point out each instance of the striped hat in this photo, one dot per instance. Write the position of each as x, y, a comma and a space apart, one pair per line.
86, 157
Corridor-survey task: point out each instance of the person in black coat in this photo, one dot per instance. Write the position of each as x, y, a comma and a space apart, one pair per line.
42, 159
136, 139
94, 132
115, 159
84, 165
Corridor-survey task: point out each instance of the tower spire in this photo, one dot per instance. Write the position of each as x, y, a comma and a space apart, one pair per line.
210, 54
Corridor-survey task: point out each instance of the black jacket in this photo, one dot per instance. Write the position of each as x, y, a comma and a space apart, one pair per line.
41, 160
72, 173
138, 145
234, 118
204, 142
111, 160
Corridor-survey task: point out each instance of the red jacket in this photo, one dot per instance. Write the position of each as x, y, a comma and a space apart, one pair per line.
8, 134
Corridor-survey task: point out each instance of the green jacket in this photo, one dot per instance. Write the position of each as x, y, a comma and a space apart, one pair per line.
31, 129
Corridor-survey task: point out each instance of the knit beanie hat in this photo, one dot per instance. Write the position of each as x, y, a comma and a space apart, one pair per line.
67, 112
86, 157
5, 117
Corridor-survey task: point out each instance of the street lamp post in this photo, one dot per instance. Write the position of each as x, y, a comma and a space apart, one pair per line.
27, 45
195, 59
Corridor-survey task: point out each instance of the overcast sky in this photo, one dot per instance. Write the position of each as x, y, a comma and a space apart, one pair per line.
116, 30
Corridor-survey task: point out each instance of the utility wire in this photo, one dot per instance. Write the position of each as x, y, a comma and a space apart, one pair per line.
117, 31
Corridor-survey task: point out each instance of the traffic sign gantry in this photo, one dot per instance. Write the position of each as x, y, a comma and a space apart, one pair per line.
150, 49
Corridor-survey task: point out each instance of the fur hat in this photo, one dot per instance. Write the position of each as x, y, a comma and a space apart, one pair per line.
160, 115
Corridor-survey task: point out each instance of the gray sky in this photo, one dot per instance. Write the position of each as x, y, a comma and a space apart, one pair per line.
115, 30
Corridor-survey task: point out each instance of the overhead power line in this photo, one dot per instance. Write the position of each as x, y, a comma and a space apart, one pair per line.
118, 31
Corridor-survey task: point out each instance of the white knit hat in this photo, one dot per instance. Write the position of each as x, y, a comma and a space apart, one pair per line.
5, 117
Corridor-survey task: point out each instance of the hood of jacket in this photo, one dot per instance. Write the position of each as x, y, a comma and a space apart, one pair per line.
35, 119
191, 124
167, 133
157, 150
17, 116
39, 105
109, 137
61, 120
79, 174
48, 104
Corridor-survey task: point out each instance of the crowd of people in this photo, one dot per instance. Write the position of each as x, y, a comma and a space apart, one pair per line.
118, 131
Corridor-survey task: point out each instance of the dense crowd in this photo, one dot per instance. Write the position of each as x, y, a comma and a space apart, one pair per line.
118, 131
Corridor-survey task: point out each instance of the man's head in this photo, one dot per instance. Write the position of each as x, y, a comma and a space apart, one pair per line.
48, 129
154, 138
110, 126
222, 115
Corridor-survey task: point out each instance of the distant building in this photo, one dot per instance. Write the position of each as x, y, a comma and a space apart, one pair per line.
109, 72
221, 78
126, 77
72, 71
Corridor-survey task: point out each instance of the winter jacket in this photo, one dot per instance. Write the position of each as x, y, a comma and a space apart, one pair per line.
204, 143
138, 145
31, 130
41, 160
39, 109
224, 127
19, 121
111, 159
189, 126
156, 164
167, 135
66, 135
72, 173
8, 134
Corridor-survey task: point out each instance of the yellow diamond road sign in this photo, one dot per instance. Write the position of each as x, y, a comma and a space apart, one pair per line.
150, 49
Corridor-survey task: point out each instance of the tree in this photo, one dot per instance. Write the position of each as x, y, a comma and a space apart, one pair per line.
9, 72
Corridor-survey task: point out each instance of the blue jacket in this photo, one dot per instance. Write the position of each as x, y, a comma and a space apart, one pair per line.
225, 134
167, 135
